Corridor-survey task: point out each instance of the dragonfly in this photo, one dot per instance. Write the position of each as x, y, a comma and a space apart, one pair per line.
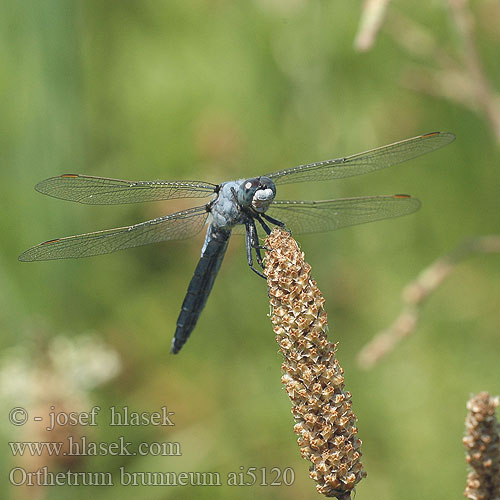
239, 206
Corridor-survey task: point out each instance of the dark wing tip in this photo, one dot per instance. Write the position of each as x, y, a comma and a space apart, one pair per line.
414, 203
448, 136
406, 196
32, 255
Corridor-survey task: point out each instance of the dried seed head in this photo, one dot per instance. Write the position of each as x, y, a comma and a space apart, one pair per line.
313, 379
482, 441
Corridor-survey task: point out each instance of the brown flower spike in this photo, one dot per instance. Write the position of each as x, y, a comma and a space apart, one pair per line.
482, 442
313, 378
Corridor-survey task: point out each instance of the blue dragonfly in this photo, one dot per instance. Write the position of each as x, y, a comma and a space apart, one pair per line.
236, 206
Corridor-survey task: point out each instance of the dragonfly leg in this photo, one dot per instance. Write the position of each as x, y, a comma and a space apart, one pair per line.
253, 238
259, 256
252, 243
255, 243
274, 221
266, 228
268, 231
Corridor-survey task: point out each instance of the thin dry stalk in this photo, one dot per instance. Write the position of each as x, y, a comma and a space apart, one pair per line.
372, 17
482, 441
487, 99
461, 79
414, 295
312, 376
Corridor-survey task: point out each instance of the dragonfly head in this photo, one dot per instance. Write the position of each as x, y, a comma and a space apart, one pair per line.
257, 193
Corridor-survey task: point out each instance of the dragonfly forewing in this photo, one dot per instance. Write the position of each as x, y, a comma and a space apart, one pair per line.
362, 163
105, 191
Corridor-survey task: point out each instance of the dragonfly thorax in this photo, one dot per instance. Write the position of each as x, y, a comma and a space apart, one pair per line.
257, 193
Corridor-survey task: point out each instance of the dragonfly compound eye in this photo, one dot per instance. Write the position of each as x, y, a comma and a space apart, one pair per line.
246, 191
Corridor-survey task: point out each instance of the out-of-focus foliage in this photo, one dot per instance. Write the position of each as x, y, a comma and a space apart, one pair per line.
215, 90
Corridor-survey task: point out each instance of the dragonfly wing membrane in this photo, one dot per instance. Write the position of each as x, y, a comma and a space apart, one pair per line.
177, 226
362, 163
104, 191
316, 216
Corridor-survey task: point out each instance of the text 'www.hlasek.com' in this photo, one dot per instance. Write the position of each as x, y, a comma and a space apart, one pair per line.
57, 455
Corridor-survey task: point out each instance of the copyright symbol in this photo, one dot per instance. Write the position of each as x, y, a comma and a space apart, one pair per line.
18, 416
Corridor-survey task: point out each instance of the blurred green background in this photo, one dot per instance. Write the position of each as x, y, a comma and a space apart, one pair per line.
216, 90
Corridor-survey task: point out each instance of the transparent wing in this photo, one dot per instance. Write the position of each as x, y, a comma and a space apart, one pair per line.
362, 163
104, 191
317, 216
177, 226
